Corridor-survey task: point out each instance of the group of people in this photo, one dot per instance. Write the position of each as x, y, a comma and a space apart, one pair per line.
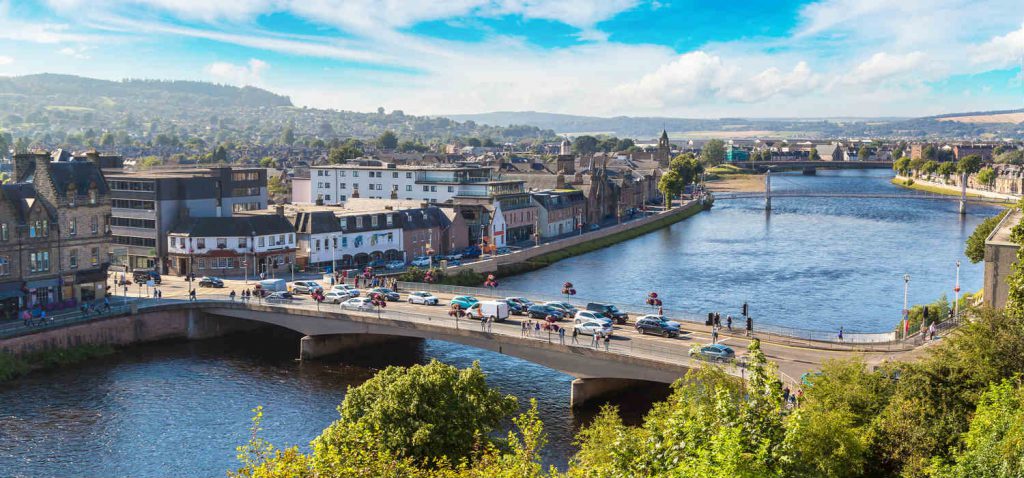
715, 322
792, 399
246, 295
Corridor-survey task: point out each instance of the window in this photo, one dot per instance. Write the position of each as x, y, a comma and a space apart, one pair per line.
408, 187
242, 243
344, 242
343, 222
318, 245
94, 225
433, 189
355, 174
73, 258
222, 243
359, 221
202, 263
5, 266
291, 238
335, 238
72, 226
389, 220
4, 232
341, 174
394, 175
355, 186
39, 261
341, 185
181, 242
133, 204
426, 189
280, 240
394, 187
92, 196
373, 220
319, 172
327, 197
262, 241
201, 243
129, 222
451, 189
408, 175
94, 257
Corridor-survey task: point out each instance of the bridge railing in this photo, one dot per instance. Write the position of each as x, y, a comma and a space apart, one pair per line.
19, 327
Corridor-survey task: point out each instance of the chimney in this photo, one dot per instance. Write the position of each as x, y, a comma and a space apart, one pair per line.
279, 210
23, 163
94, 158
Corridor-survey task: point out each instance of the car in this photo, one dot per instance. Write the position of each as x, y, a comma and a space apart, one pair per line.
497, 310
277, 297
393, 265
522, 301
422, 261
593, 227
453, 257
389, 295
540, 311
657, 324
348, 289
591, 316
594, 328
425, 298
515, 308
471, 252
306, 287
145, 275
463, 301
377, 264
336, 296
358, 303
609, 311
565, 307
454, 262
211, 282
714, 353
502, 250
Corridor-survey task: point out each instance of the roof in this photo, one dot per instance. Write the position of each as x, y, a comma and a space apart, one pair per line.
83, 174
22, 196
238, 226
424, 218
316, 222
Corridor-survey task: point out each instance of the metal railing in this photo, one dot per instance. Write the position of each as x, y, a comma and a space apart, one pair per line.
19, 327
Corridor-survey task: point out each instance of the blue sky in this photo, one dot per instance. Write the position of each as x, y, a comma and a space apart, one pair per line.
596, 57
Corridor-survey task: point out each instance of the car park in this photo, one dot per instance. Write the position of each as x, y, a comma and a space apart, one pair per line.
346, 288
658, 325
610, 311
305, 287
594, 328
358, 303
540, 311
590, 316
388, 294
336, 296
714, 353
424, 298
142, 276
279, 297
463, 301
211, 282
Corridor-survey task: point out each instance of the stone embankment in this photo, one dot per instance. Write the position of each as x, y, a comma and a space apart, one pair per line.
1007, 187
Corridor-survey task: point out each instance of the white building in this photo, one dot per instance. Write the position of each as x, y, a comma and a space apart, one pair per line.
335, 184
347, 239
231, 246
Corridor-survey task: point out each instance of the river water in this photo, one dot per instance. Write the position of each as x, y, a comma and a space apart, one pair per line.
181, 408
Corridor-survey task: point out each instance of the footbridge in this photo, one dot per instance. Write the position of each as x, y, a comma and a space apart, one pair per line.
762, 166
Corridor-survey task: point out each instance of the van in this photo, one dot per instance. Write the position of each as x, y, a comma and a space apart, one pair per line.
488, 308
273, 285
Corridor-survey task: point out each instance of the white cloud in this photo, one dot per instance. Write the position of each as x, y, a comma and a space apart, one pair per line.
248, 74
76, 52
882, 66
6, 60
1001, 51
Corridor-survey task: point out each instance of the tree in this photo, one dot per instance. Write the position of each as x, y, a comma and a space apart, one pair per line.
902, 166
268, 162
916, 165
107, 140
670, 185
946, 169
585, 144
474, 142
928, 152
350, 149
489, 143
277, 187
148, 162
987, 176
994, 445
970, 164
387, 141
864, 153
929, 167
288, 136
713, 152
975, 250
624, 144
813, 154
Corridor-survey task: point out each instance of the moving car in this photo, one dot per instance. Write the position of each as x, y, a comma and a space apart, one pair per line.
471, 252
590, 316
211, 282
279, 297
425, 298
488, 308
541, 311
393, 265
388, 294
421, 261
272, 285
358, 303
592, 328
714, 353
145, 275
502, 250
610, 311
463, 301
336, 296
346, 288
305, 287
657, 324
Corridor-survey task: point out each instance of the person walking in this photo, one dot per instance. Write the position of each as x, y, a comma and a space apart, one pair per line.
750, 326
728, 322
840, 333
593, 340
106, 304
931, 331
522, 329
536, 328
232, 295
714, 335
607, 342
483, 323
575, 336
192, 295
561, 335
490, 323
718, 320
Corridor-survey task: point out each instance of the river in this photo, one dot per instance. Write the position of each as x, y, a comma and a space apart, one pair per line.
181, 408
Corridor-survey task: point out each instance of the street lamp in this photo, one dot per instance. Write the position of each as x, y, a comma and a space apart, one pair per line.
956, 290
906, 312
334, 248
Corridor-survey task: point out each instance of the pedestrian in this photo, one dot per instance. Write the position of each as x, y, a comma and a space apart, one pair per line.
85, 309
483, 323
106, 304
931, 331
840, 333
575, 335
490, 323
785, 395
26, 318
561, 335
536, 328
607, 342
593, 339
728, 322
718, 320
357, 282
799, 396
714, 335
42, 316
750, 326
522, 329
332, 280
192, 295
232, 295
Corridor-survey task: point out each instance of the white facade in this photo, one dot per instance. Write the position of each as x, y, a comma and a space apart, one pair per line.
334, 246
179, 244
335, 184
498, 226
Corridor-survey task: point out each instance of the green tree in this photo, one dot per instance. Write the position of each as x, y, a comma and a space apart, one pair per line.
624, 144
387, 140
268, 162
987, 176
975, 250
929, 167
148, 162
902, 166
585, 144
488, 143
671, 185
970, 164
107, 140
288, 136
946, 169
813, 154
474, 142
929, 152
994, 444
864, 153
916, 165
713, 152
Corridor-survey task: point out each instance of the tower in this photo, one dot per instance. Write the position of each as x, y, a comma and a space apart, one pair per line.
664, 153
566, 148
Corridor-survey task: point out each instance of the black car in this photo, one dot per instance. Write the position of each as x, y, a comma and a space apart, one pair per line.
145, 275
389, 295
609, 311
656, 324
542, 311
211, 282
515, 308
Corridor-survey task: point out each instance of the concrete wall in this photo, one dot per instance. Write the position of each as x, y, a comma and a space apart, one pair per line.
1000, 255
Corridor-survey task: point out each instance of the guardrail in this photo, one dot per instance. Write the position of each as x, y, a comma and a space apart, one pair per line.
36, 324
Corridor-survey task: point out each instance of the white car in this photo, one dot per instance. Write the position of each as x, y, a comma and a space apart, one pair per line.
421, 261
336, 296
393, 265
305, 287
358, 303
584, 316
591, 328
348, 289
421, 297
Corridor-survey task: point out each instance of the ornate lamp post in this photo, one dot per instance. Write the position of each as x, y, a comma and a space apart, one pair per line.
906, 312
956, 290
568, 290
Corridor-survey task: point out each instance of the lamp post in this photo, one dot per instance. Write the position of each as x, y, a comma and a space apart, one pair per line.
906, 312
956, 290
334, 248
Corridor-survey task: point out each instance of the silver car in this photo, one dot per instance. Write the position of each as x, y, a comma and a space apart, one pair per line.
358, 303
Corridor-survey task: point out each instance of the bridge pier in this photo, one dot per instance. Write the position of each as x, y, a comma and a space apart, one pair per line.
586, 390
963, 194
315, 346
768, 190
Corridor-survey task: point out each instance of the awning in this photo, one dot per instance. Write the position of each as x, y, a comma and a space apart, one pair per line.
90, 276
36, 284
10, 289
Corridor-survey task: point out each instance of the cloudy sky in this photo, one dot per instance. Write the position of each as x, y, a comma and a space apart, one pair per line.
700, 58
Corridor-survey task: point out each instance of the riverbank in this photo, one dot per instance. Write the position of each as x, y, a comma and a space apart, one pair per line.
737, 183
12, 366
933, 187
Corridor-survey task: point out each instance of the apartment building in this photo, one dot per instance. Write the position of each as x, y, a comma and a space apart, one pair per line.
335, 184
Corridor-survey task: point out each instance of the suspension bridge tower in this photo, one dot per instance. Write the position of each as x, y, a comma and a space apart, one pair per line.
963, 194
768, 190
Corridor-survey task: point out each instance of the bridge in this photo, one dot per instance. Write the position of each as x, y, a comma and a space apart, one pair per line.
627, 360
809, 166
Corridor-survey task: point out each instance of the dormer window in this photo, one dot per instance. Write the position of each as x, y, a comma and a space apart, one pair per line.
93, 196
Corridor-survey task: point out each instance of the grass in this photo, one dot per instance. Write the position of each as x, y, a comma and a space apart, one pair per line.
724, 169
12, 366
929, 188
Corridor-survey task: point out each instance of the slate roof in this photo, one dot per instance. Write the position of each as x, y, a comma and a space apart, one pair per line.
239, 226
22, 196
316, 222
81, 173
414, 218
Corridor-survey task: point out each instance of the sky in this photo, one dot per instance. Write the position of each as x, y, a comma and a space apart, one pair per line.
697, 59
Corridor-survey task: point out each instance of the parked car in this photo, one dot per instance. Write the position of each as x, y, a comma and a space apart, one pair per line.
346, 288
389, 295
498, 309
503, 250
522, 301
541, 311
610, 311
514, 308
471, 252
454, 262
272, 285
336, 296
657, 324
377, 264
593, 227
714, 353
453, 257
393, 265
279, 297
564, 306
305, 287
144, 275
590, 316
358, 303
421, 261
421, 297
592, 328
211, 282
463, 301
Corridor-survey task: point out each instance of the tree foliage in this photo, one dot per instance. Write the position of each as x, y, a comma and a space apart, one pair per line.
987, 176
970, 164
388, 140
713, 153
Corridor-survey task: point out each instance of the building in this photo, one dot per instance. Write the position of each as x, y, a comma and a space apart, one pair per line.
559, 211
961, 151
664, 154
54, 233
335, 184
239, 246
1000, 256
829, 152
733, 154
146, 204
425, 231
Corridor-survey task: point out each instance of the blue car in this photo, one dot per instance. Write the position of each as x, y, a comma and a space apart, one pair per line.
463, 301
714, 353
471, 252
542, 311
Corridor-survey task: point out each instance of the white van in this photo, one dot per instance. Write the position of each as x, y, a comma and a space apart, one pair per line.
488, 308
273, 285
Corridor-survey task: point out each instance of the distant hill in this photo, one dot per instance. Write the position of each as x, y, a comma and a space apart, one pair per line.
954, 126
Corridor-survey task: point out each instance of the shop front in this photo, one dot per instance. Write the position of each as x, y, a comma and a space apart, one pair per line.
42, 293
10, 300
90, 285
